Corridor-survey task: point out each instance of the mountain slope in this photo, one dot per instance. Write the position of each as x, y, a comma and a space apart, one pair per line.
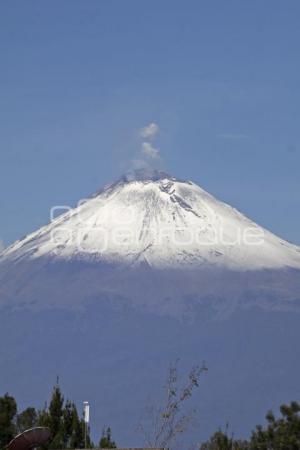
161, 221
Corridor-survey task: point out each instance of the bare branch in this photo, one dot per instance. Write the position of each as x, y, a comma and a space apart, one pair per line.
170, 420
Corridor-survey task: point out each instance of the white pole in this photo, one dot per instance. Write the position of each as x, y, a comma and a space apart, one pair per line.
86, 416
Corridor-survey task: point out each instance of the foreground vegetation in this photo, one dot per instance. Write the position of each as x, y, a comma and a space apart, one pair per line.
281, 433
68, 428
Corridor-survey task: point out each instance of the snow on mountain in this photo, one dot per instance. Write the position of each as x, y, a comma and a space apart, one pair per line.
152, 218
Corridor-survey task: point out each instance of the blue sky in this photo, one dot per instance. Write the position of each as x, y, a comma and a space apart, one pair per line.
78, 79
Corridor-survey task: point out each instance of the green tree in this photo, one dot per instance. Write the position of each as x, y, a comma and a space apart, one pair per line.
52, 417
106, 440
77, 434
43, 418
68, 423
8, 411
27, 419
56, 411
282, 433
55, 419
221, 440
67, 428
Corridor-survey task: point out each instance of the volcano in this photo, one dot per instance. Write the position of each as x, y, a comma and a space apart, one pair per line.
149, 269
149, 229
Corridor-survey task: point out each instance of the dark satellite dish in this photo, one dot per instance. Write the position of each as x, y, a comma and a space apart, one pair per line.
30, 439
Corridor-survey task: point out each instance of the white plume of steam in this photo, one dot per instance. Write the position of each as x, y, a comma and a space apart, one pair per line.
148, 155
149, 150
149, 131
148, 134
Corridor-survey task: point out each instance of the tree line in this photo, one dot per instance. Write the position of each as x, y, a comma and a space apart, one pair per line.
61, 416
282, 433
68, 427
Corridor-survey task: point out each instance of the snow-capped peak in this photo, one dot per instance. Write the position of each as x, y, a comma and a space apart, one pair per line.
150, 217
146, 174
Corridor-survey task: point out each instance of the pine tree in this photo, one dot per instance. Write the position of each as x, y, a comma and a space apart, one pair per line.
55, 418
66, 426
221, 440
27, 419
8, 411
77, 435
43, 418
106, 440
282, 433
68, 423
56, 410
279, 434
